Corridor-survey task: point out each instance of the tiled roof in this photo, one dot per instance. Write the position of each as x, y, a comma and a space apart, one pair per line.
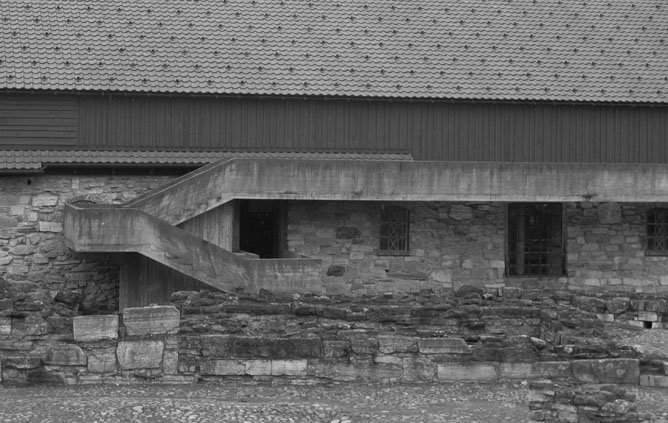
562, 50
35, 160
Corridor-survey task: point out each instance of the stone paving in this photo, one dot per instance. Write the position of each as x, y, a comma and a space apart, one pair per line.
341, 403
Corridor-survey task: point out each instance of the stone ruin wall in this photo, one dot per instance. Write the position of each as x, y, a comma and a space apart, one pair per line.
554, 340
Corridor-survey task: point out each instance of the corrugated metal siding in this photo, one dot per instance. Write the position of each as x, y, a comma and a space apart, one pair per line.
457, 131
38, 120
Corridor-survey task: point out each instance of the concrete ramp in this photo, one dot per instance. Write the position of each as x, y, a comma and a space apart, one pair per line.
127, 230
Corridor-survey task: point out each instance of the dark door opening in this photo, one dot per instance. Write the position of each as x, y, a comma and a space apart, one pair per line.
535, 240
260, 229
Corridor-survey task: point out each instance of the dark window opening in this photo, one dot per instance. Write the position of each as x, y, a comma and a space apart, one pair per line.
535, 240
657, 232
260, 229
394, 224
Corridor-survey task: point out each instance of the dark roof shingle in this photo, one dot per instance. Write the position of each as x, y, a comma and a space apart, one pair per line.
561, 50
36, 160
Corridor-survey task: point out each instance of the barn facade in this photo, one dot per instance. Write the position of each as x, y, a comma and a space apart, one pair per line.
336, 148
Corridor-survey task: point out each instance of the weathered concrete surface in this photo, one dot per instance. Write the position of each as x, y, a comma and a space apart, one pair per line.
112, 229
129, 230
218, 183
155, 320
95, 328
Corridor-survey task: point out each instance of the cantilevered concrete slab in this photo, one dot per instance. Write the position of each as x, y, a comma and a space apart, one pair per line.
223, 181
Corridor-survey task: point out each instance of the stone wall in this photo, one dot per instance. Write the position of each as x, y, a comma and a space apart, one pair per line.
606, 245
473, 335
551, 338
450, 244
33, 255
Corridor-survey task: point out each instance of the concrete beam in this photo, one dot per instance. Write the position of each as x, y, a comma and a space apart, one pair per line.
221, 182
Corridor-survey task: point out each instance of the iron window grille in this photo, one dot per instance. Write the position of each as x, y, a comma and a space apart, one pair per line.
657, 232
535, 240
394, 225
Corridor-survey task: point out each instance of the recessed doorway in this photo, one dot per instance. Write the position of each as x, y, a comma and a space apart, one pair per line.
260, 229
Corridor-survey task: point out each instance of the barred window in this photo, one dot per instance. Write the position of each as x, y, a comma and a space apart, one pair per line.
535, 240
657, 232
394, 231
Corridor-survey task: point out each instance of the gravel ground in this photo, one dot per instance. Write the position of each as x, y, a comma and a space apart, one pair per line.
344, 403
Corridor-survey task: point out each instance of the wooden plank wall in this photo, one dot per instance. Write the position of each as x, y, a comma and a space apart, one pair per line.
143, 281
44, 120
457, 131
440, 130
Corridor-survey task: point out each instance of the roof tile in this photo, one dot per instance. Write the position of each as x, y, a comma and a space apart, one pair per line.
30, 160
378, 48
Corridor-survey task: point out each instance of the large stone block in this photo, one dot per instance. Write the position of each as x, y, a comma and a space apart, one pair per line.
363, 345
5, 325
211, 345
614, 370
102, 360
141, 354
535, 370
335, 349
452, 372
95, 328
170, 362
389, 344
153, 320
289, 367
260, 347
223, 368
65, 355
50, 226
349, 373
443, 346
258, 367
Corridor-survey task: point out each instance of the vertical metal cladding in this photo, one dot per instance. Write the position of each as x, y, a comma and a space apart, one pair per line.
439, 130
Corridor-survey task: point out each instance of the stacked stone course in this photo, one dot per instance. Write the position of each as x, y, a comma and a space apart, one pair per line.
451, 244
606, 245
